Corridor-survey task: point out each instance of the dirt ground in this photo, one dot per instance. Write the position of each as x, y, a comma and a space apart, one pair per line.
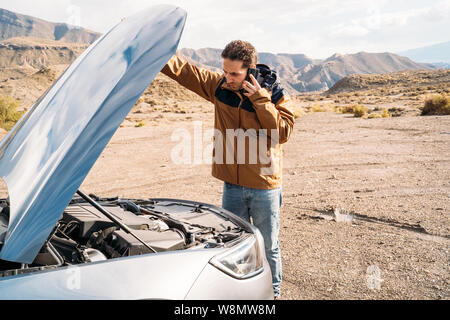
389, 178
392, 176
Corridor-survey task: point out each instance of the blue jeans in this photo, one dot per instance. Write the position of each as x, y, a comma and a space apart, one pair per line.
263, 205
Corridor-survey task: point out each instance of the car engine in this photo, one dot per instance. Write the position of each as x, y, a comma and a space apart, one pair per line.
83, 234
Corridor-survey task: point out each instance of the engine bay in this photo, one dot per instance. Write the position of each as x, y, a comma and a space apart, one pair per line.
84, 234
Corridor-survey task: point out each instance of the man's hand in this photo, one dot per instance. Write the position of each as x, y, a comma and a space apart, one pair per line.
251, 88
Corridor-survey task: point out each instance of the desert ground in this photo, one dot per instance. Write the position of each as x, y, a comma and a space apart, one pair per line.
366, 202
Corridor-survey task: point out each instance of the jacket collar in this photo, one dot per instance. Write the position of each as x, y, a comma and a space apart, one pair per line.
239, 92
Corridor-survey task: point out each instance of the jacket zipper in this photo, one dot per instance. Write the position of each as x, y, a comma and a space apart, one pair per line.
239, 126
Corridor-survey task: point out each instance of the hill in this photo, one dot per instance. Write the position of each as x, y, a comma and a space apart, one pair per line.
300, 73
421, 78
26, 52
435, 53
28, 84
14, 25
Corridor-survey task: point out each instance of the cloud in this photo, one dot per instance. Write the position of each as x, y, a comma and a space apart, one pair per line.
349, 30
316, 28
376, 20
46, 9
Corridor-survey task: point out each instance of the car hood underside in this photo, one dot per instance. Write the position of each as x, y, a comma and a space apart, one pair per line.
47, 155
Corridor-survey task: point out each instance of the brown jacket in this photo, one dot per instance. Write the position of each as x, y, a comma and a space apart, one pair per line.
233, 110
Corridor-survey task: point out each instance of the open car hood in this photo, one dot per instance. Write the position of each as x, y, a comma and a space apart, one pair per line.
47, 155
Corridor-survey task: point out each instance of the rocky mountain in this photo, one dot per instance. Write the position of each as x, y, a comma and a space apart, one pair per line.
286, 65
412, 79
437, 53
28, 66
300, 73
32, 44
205, 57
324, 75
18, 25
283, 62
37, 53
297, 72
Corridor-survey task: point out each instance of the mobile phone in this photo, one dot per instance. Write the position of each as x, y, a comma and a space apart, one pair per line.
252, 71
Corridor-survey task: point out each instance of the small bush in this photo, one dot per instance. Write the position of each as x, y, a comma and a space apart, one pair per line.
346, 109
140, 124
359, 111
385, 114
436, 105
374, 115
8, 112
298, 111
331, 108
317, 108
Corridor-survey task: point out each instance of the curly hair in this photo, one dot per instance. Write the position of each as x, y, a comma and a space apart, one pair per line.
241, 50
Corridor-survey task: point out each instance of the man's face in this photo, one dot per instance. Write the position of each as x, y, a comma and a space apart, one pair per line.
234, 73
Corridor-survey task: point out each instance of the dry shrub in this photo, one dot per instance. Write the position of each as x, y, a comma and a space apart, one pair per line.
374, 115
317, 108
385, 114
356, 109
331, 108
436, 105
8, 112
298, 111
345, 109
359, 111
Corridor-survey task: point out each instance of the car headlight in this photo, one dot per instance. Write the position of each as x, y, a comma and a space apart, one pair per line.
243, 260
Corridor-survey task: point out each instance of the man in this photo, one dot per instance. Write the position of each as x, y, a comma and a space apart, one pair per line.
252, 185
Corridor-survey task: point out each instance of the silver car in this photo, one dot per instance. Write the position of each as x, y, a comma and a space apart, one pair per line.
58, 243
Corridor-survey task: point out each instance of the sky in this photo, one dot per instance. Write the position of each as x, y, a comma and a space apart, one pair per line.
317, 28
